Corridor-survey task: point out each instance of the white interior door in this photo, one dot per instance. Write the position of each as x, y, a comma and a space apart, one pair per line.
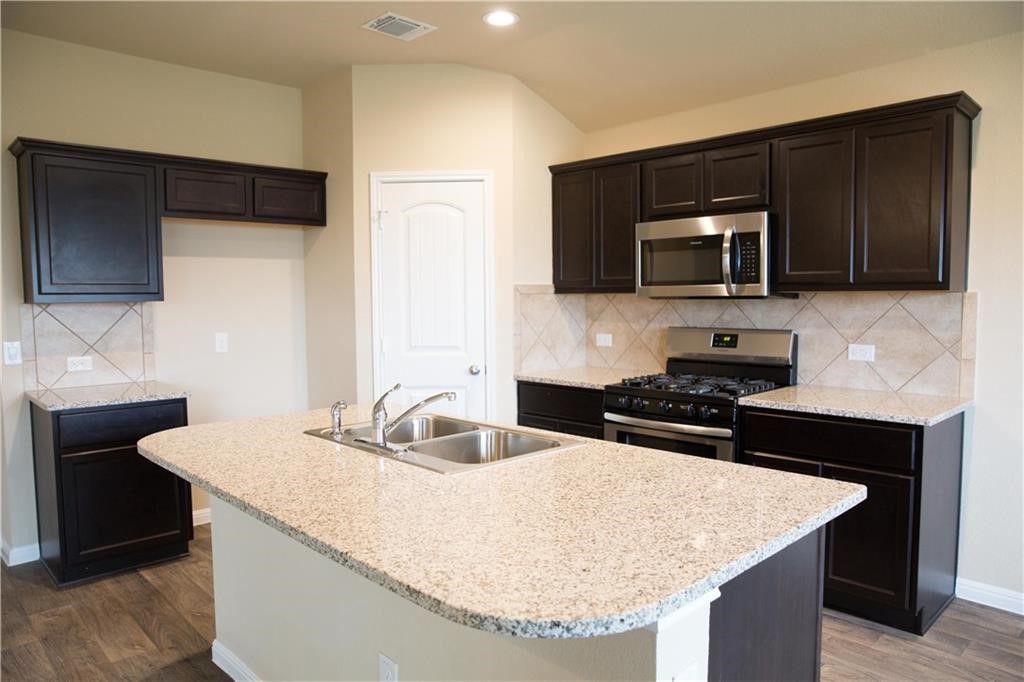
431, 293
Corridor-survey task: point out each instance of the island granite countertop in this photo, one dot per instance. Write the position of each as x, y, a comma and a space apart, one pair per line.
57, 399
599, 539
884, 406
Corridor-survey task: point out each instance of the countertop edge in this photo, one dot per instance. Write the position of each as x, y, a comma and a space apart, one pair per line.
848, 413
604, 625
109, 402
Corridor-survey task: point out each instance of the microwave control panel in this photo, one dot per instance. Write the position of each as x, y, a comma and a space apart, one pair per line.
749, 271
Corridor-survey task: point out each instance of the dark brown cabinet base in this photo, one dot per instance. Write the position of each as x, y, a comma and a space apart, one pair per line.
101, 506
577, 411
892, 558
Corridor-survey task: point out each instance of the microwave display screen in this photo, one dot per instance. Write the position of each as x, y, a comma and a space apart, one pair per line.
681, 260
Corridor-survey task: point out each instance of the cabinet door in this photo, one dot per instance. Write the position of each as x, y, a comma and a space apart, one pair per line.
117, 502
573, 230
736, 177
869, 548
204, 192
617, 212
673, 185
814, 181
96, 230
299, 201
791, 464
900, 196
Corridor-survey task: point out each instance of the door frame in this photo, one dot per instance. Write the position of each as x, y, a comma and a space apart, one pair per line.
377, 181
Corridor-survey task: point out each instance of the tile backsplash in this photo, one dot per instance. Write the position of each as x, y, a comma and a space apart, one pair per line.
924, 341
117, 336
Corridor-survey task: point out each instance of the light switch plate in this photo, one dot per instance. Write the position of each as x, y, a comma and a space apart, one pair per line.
79, 363
604, 340
12, 352
864, 352
220, 342
387, 670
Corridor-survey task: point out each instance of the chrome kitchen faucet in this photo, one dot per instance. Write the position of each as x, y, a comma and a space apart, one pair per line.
381, 427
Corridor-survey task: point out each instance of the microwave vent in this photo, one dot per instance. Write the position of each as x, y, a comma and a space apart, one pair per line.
397, 26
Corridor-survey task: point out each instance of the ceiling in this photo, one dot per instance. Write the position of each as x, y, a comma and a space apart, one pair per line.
599, 63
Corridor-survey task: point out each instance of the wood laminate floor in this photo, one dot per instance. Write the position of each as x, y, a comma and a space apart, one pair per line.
156, 623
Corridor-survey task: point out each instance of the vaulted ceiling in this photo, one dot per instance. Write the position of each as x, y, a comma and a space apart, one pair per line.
599, 63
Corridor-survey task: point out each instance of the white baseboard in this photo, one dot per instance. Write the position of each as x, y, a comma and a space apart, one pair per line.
200, 517
226, 660
990, 595
12, 556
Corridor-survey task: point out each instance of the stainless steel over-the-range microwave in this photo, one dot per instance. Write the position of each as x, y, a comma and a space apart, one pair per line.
722, 255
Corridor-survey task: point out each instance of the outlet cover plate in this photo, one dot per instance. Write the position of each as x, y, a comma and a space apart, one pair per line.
387, 670
12, 352
79, 363
863, 352
603, 340
220, 342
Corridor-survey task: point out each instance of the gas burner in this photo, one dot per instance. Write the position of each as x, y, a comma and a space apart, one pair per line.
698, 384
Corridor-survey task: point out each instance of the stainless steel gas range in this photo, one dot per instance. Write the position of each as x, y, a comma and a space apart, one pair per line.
691, 408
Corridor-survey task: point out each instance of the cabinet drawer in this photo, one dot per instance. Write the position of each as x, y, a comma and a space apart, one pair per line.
191, 191
560, 402
117, 425
892, 447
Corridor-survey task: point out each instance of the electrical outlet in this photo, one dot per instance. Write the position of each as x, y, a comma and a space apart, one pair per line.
80, 363
387, 670
12, 352
864, 352
220, 342
604, 340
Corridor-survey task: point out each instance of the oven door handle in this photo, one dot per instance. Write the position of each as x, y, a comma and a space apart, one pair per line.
668, 426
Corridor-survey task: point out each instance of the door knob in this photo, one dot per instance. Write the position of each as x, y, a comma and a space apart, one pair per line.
474, 370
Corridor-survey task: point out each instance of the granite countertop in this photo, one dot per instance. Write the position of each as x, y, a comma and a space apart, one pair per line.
56, 399
580, 377
599, 539
886, 406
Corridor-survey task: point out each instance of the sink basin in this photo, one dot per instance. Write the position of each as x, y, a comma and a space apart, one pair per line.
414, 429
448, 445
484, 447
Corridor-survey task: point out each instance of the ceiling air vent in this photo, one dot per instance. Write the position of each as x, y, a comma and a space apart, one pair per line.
397, 26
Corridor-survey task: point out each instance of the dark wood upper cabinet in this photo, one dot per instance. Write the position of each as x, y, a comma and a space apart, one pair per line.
615, 218
673, 186
90, 216
573, 216
736, 177
814, 201
900, 189
301, 200
90, 229
205, 192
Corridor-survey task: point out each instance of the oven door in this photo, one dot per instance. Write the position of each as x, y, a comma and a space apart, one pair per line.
686, 439
711, 256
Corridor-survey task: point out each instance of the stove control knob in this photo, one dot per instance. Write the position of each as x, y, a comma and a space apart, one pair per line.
641, 404
687, 410
665, 406
705, 412
625, 401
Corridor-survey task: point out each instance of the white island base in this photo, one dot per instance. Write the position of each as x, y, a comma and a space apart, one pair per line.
285, 612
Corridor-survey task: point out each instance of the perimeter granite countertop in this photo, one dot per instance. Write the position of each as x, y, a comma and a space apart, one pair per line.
598, 539
580, 377
885, 406
57, 399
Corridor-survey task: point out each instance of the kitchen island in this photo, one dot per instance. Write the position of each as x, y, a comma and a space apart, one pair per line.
603, 560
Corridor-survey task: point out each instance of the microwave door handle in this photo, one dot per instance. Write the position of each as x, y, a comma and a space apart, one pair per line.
730, 287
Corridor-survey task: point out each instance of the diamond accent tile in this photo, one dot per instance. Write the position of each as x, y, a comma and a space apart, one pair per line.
609, 322
941, 377
696, 313
121, 345
638, 357
820, 343
54, 343
850, 374
732, 316
596, 303
772, 313
538, 309
851, 314
638, 311
903, 347
576, 306
539, 358
941, 313
654, 335
89, 321
562, 336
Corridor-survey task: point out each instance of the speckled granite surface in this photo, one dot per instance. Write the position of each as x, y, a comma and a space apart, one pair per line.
886, 406
58, 399
580, 377
598, 539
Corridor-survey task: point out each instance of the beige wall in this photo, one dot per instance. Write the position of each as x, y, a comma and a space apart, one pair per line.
67, 92
330, 294
991, 549
448, 117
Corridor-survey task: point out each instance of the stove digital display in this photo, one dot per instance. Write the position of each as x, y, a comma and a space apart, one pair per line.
724, 340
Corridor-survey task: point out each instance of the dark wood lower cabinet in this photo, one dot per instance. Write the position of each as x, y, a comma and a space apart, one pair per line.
892, 558
576, 411
101, 506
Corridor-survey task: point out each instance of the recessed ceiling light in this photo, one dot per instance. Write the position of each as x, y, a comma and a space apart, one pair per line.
501, 17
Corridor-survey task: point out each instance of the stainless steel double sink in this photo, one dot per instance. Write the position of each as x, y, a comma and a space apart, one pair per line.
448, 445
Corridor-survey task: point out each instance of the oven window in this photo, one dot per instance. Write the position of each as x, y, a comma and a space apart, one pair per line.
681, 260
669, 444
